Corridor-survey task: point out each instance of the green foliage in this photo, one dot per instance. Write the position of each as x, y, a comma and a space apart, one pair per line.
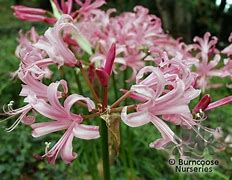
136, 159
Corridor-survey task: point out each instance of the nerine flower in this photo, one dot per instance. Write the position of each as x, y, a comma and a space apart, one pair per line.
52, 42
32, 90
64, 7
171, 105
32, 59
32, 14
228, 49
209, 58
63, 119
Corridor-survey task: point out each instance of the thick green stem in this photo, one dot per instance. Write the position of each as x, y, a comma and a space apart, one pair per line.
104, 138
105, 150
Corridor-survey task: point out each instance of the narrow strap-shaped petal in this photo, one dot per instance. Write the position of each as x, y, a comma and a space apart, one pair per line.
174, 94
219, 103
70, 100
86, 131
34, 85
135, 119
63, 143
52, 94
144, 91
67, 153
48, 111
173, 109
110, 59
159, 78
167, 134
44, 128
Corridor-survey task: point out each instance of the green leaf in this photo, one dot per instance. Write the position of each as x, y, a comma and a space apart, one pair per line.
55, 11
83, 43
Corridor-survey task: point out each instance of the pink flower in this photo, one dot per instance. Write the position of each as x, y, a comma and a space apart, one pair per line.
209, 58
65, 7
206, 45
52, 42
64, 119
105, 72
203, 104
219, 103
228, 49
88, 5
172, 105
32, 59
32, 14
31, 90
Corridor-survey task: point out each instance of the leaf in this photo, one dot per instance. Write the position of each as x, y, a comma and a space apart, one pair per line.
55, 11
83, 43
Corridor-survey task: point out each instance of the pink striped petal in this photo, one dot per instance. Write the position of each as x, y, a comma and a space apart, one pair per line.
44, 128
159, 78
48, 111
86, 131
219, 103
167, 134
143, 91
52, 92
135, 119
72, 99
67, 153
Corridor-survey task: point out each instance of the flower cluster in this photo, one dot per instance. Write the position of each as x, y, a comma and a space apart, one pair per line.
167, 74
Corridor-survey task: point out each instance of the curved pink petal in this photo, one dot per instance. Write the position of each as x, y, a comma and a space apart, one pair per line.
67, 153
143, 91
167, 134
219, 103
159, 78
49, 111
227, 50
135, 119
72, 99
173, 96
52, 93
44, 128
86, 131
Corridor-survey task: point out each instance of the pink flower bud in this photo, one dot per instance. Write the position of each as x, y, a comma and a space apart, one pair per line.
110, 59
103, 76
203, 104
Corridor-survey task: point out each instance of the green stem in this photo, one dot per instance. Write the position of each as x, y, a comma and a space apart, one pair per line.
128, 133
86, 78
104, 138
125, 83
121, 99
115, 86
78, 83
105, 150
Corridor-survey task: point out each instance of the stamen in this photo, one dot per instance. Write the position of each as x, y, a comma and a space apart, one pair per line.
194, 130
47, 145
200, 116
14, 125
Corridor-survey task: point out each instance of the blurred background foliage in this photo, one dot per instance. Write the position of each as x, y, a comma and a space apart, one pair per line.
181, 18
